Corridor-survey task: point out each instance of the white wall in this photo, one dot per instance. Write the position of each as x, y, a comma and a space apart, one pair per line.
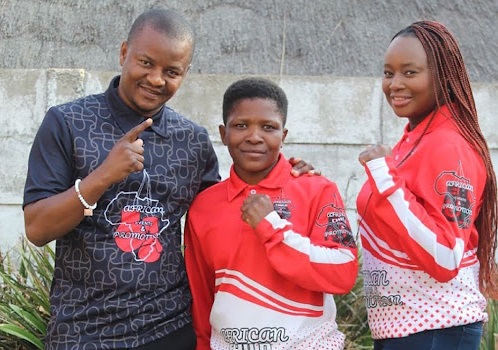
330, 121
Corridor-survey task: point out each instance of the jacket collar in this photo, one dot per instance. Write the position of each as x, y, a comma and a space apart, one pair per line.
439, 116
277, 178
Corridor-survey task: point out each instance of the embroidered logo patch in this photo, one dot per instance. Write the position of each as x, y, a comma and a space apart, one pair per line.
283, 207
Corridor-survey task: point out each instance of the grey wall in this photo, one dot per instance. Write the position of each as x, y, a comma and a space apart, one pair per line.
288, 37
329, 125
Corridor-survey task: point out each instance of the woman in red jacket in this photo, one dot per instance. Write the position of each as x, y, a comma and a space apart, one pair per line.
428, 211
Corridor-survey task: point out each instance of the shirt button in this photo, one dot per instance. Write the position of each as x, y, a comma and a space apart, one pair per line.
253, 191
396, 157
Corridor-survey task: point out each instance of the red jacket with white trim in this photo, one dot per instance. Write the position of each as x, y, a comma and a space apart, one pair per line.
417, 225
272, 286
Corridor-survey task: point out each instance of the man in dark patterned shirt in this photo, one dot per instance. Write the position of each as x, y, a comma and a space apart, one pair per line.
119, 279
109, 178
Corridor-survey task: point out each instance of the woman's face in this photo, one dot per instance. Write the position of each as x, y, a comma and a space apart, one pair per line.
408, 82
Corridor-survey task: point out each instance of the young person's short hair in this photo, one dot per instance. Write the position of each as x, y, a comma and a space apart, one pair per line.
252, 88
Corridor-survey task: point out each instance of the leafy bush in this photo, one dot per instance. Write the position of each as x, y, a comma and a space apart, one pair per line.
25, 278
490, 335
352, 318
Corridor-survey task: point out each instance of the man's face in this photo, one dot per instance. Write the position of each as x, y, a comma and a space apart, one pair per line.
153, 68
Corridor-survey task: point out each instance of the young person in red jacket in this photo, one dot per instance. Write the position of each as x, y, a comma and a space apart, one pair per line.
265, 251
428, 210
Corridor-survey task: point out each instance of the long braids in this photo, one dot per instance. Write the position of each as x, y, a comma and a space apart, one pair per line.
452, 87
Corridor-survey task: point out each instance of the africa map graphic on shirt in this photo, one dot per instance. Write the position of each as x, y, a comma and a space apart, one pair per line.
337, 227
140, 224
459, 198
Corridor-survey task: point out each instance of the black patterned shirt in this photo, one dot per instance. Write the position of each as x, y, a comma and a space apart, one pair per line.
119, 279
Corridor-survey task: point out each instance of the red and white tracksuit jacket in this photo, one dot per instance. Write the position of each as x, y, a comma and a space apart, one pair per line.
269, 288
419, 240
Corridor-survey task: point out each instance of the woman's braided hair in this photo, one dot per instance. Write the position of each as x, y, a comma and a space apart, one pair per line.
452, 86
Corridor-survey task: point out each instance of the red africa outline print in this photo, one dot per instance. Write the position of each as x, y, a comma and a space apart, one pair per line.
139, 222
139, 235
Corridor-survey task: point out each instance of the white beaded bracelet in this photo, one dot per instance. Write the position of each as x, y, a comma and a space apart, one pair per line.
88, 211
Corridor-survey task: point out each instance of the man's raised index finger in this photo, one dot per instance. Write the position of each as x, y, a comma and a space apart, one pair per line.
133, 134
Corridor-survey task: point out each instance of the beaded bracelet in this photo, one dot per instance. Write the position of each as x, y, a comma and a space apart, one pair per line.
88, 211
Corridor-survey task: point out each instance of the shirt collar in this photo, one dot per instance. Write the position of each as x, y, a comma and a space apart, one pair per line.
277, 178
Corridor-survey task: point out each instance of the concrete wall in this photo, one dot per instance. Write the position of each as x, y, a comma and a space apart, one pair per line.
330, 121
279, 37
